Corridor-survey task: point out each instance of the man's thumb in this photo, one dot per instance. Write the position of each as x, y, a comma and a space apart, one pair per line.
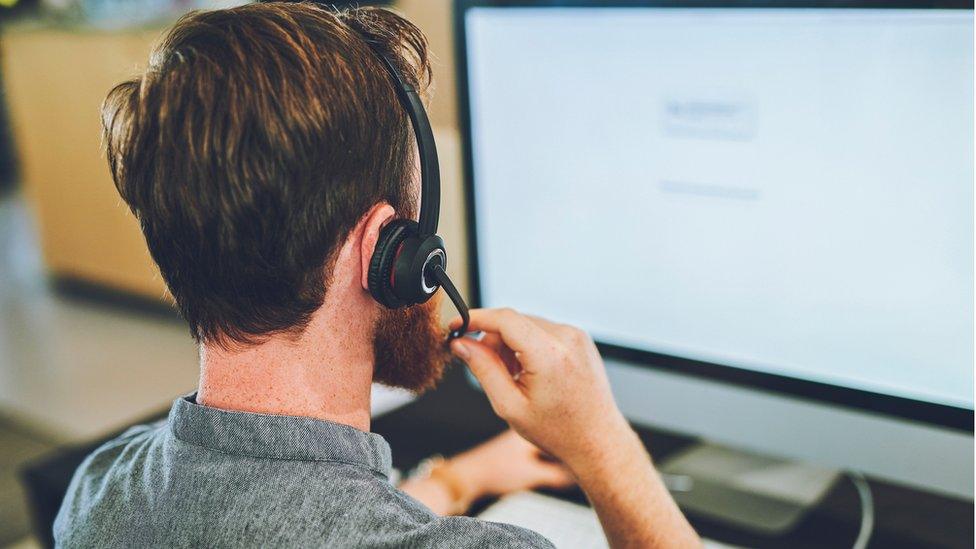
490, 370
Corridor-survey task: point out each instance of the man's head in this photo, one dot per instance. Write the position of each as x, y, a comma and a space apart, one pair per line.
257, 143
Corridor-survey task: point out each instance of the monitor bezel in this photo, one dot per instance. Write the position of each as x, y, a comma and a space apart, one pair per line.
930, 413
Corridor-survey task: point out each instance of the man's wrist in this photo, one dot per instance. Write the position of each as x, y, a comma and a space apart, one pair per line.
615, 447
467, 477
455, 482
442, 486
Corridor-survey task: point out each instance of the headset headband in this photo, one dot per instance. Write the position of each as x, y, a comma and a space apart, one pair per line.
430, 174
426, 243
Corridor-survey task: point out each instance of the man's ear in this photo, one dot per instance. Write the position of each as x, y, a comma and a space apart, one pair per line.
369, 229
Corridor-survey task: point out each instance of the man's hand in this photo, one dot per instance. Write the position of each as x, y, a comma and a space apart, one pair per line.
548, 382
504, 464
508, 463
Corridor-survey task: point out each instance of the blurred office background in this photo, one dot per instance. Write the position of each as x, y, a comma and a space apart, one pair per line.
88, 342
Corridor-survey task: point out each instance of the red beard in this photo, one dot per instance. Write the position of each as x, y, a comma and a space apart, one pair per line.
410, 347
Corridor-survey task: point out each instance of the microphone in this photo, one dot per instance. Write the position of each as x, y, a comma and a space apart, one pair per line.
437, 272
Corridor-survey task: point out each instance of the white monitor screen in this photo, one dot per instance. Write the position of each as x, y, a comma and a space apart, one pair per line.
787, 191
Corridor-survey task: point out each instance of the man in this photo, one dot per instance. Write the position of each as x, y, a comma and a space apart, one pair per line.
263, 151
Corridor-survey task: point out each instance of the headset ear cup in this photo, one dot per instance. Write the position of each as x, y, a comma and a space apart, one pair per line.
382, 263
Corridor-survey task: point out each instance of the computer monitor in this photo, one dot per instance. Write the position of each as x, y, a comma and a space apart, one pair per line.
762, 214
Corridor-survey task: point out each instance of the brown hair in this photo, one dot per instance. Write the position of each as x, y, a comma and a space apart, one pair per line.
253, 143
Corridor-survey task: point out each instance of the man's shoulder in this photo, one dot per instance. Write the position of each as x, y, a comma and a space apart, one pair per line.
121, 452
145, 487
96, 481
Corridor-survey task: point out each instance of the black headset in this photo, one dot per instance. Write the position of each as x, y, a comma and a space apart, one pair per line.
409, 262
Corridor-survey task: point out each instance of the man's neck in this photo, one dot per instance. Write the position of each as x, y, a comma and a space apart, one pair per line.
326, 373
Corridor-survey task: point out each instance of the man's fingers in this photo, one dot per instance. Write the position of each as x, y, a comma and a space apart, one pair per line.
492, 373
495, 343
544, 323
517, 331
556, 329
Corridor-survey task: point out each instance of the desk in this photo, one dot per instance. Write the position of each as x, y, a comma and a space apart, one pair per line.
456, 417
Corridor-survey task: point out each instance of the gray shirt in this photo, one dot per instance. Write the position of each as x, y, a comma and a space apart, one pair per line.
215, 478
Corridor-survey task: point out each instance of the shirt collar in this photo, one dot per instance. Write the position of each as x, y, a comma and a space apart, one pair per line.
277, 437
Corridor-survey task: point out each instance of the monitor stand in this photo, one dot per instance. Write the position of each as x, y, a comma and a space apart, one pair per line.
755, 492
